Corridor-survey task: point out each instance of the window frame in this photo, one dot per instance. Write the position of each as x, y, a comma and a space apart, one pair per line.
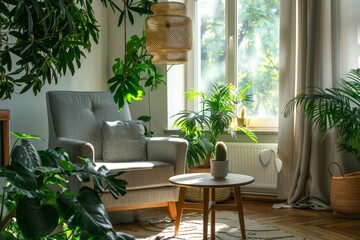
181, 78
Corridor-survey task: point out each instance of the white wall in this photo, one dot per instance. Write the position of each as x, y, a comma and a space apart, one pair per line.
4, 104
349, 34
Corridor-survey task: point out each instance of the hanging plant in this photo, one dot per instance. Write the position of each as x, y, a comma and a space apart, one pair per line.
129, 73
135, 71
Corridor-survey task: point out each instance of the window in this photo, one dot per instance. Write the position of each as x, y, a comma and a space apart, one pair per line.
238, 42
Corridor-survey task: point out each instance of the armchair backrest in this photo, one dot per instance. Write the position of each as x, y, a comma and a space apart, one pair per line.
80, 115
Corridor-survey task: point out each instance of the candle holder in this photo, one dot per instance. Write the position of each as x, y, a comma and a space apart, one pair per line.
243, 122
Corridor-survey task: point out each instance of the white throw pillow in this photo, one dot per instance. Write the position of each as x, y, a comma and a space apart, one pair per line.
123, 141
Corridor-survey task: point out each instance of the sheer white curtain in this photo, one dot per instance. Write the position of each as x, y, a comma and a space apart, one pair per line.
308, 58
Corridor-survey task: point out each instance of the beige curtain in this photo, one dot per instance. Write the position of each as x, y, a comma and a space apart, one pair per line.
308, 56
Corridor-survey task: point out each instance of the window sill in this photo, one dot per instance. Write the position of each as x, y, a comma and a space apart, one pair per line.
262, 131
264, 135
265, 131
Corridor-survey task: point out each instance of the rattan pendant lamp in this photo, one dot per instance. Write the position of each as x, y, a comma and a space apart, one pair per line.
168, 33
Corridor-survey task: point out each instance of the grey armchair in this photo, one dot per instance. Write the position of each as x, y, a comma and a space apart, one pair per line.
81, 123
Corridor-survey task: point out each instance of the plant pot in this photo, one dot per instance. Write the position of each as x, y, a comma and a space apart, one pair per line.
219, 169
345, 194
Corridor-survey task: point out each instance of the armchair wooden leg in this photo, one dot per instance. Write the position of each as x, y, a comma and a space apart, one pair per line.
172, 210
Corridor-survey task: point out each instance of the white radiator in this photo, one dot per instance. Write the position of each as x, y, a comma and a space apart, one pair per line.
244, 159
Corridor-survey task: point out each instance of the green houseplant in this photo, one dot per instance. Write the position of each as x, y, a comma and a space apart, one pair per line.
38, 198
203, 128
220, 165
337, 108
135, 75
41, 40
136, 68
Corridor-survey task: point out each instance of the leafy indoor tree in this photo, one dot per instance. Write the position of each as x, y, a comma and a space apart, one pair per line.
41, 40
336, 108
38, 197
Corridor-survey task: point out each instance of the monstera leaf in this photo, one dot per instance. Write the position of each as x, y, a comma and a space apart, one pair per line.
35, 220
26, 155
22, 178
115, 185
85, 210
21, 172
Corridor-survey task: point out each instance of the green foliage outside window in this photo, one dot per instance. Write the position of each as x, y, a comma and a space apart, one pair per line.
258, 40
257, 55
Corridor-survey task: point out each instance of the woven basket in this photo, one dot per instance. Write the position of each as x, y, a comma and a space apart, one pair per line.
345, 193
196, 194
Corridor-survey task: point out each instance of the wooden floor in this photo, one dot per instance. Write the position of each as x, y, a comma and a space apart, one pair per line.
307, 223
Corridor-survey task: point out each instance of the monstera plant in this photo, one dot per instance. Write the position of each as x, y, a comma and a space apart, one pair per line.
38, 198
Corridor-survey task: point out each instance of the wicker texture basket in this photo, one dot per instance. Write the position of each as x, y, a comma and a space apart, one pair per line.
196, 194
168, 33
345, 193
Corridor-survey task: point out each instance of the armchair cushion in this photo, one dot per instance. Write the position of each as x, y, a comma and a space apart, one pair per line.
143, 174
123, 141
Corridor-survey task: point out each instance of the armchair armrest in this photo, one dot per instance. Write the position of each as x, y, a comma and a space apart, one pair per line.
170, 150
76, 148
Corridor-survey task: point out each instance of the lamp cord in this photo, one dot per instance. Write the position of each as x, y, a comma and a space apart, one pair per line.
125, 38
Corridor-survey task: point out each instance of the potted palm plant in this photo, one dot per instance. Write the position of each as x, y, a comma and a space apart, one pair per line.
203, 128
337, 108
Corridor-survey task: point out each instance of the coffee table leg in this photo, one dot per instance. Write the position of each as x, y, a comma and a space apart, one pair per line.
212, 214
237, 193
180, 209
205, 212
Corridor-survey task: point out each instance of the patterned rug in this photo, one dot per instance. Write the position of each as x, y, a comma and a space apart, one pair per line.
227, 227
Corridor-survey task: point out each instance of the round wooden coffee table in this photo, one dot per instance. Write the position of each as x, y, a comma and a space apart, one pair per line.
209, 184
